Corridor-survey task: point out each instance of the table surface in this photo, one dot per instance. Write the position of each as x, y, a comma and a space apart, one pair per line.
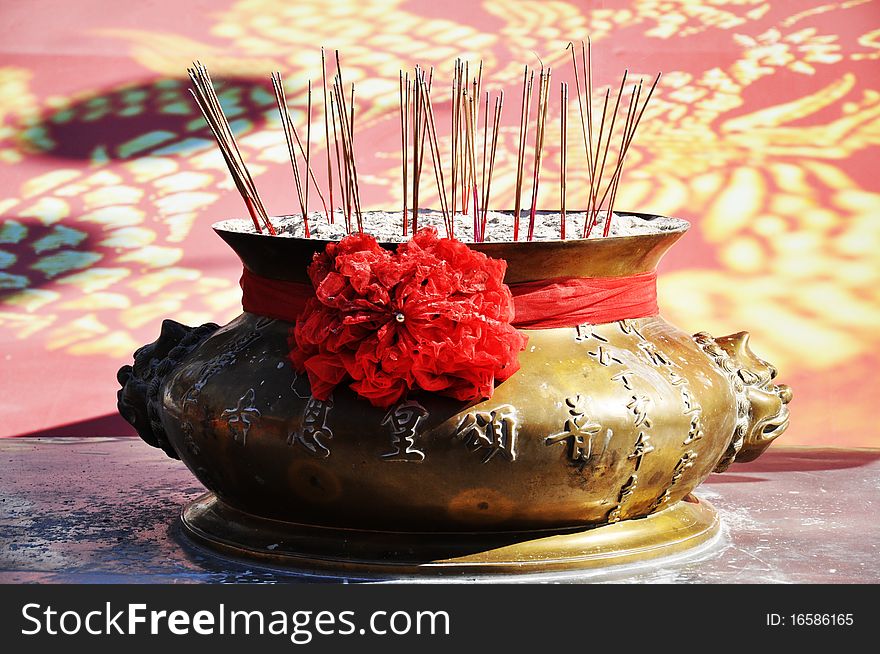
99, 510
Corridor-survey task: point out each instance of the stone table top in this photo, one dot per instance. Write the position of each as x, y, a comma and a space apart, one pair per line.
105, 510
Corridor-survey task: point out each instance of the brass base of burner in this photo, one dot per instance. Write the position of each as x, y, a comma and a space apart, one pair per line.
674, 530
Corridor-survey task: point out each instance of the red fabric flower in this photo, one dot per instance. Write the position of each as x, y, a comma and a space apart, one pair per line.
434, 315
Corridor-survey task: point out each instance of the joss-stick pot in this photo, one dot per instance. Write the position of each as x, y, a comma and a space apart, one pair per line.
606, 419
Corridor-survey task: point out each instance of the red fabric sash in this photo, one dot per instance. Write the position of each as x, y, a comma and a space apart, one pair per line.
545, 304
572, 301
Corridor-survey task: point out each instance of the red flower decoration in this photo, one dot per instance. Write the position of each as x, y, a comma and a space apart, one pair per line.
434, 315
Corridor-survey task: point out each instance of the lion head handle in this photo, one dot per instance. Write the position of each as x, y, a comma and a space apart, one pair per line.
762, 406
139, 398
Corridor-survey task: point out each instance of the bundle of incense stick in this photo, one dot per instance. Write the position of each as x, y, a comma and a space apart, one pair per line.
417, 117
596, 170
206, 98
345, 110
431, 130
471, 184
289, 134
465, 117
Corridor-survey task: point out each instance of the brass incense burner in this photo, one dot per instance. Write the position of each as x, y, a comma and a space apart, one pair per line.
586, 456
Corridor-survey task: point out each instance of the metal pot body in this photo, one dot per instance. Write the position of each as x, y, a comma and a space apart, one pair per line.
601, 423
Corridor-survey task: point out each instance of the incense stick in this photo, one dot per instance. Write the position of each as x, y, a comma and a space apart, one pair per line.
587, 60
483, 166
615, 175
496, 123
346, 206
308, 149
424, 124
455, 130
627, 140
309, 171
586, 118
521, 152
287, 128
540, 124
563, 154
463, 124
471, 161
353, 163
597, 206
475, 123
404, 126
347, 122
435, 157
417, 145
330, 214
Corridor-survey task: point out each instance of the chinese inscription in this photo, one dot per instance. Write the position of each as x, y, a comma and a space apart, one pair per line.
490, 432
240, 417
579, 431
314, 433
403, 422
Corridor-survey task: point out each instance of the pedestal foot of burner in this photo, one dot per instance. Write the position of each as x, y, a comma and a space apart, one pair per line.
674, 530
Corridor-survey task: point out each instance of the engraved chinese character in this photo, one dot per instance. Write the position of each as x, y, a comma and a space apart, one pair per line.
300, 386
625, 493
403, 421
690, 404
695, 432
656, 356
628, 489
641, 448
624, 378
638, 405
585, 332
604, 356
192, 395
187, 430
579, 431
628, 326
661, 500
314, 433
239, 417
684, 463
493, 432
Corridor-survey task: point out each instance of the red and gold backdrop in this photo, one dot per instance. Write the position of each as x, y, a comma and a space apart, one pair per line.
763, 133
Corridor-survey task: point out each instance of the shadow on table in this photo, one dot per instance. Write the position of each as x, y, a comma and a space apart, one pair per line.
224, 569
111, 424
796, 460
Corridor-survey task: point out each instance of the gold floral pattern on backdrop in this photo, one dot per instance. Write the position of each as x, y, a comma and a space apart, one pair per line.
763, 133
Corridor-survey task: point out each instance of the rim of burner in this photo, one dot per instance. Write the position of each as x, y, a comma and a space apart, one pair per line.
286, 258
682, 226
